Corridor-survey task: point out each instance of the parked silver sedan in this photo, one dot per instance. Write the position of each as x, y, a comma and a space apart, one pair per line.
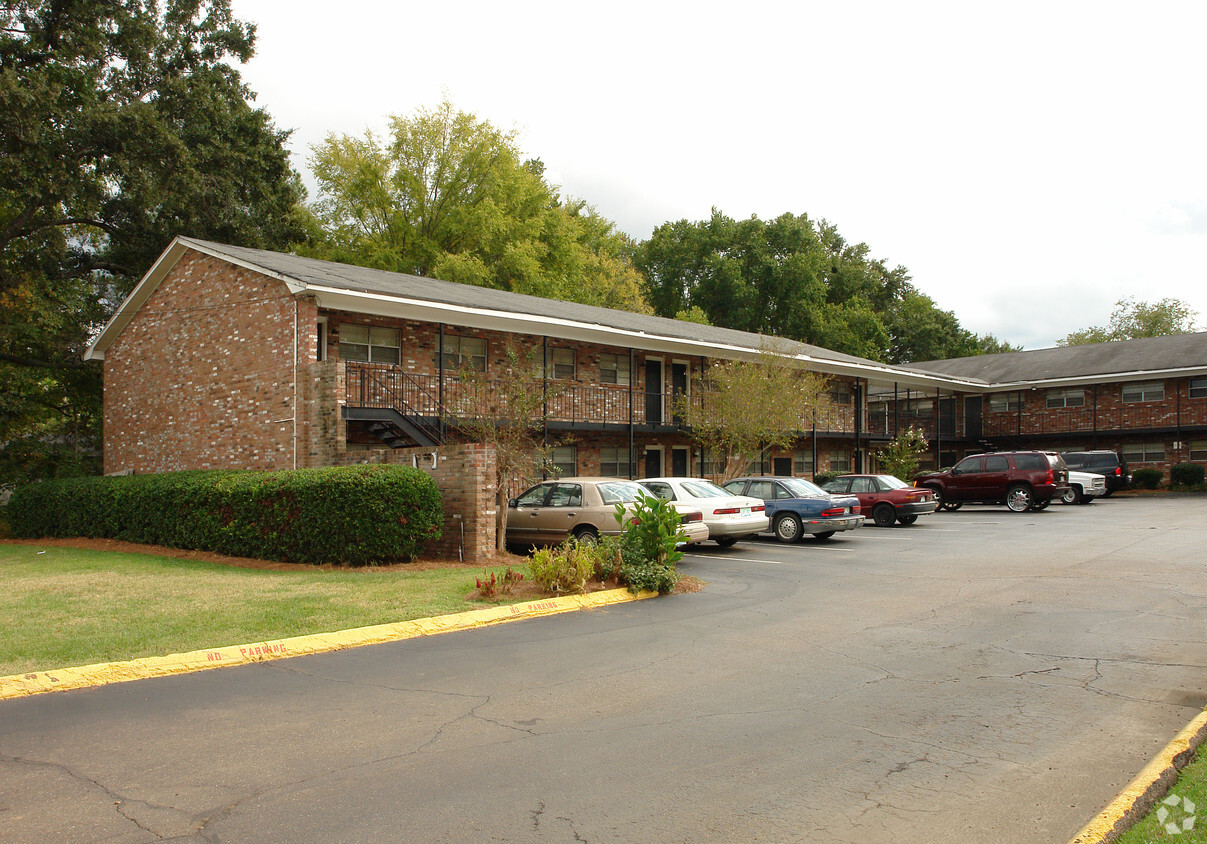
729, 517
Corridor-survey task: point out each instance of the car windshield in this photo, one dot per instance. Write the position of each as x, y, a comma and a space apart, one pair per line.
890, 482
618, 492
802, 488
704, 489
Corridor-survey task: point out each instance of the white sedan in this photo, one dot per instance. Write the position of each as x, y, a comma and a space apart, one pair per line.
729, 517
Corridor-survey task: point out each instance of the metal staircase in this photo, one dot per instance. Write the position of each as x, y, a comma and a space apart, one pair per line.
398, 408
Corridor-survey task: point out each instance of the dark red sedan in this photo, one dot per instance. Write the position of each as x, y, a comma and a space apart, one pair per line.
885, 498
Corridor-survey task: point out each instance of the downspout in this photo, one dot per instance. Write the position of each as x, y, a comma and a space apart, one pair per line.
1094, 390
440, 373
858, 397
545, 392
632, 380
939, 428
295, 382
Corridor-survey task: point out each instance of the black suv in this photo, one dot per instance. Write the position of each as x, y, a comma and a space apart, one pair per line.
1109, 464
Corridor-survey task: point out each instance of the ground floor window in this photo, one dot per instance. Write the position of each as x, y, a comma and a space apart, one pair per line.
802, 461
615, 462
1144, 452
1198, 449
840, 460
565, 460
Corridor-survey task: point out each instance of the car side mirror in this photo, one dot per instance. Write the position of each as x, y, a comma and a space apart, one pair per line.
512, 503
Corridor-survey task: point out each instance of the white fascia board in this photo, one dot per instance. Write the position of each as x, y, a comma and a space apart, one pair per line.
1107, 378
151, 281
506, 321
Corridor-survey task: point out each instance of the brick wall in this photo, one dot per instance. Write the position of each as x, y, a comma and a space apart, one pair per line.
203, 376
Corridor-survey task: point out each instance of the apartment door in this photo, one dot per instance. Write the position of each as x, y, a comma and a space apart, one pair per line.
972, 417
653, 463
781, 466
653, 392
679, 462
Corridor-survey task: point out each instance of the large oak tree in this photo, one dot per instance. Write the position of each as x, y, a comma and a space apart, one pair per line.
122, 124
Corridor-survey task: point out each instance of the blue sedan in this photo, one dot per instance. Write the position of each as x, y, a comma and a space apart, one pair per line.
796, 507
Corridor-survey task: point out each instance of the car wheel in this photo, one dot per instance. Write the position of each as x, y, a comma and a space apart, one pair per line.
587, 536
787, 528
823, 536
940, 503
907, 520
726, 541
1040, 505
952, 506
883, 515
1072, 495
1019, 498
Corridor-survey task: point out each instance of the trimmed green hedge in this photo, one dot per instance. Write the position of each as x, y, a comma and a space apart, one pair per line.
352, 515
1147, 478
1189, 475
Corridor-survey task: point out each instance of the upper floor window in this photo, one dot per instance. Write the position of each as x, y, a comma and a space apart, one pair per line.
1144, 391
840, 392
468, 352
371, 344
924, 408
1066, 398
1001, 402
1198, 388
562, 363
614, 369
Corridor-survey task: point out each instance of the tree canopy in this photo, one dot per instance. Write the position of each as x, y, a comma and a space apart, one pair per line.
121, 126
450, 196
1131, 320
801, 279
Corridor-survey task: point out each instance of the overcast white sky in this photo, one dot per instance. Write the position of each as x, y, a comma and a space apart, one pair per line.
1030, 163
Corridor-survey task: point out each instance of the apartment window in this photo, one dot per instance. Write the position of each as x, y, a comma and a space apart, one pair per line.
561, 364
615, 462
464, 352
565, 460
1066, 398
614, 369
1004, 402
1144, 452
1198, 449
1198, 388
840, 392
711, 466
371, 344
923, 409
1144, 391
802, 461
840, 460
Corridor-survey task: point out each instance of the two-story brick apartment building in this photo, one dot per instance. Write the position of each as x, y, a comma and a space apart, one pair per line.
227, 357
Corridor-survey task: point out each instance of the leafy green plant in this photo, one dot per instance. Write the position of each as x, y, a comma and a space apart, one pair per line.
820, 478
900, 457
1186, 475
565, 568
649, 544
1147, 478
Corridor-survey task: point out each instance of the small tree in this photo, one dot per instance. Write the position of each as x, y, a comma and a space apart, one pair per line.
506, 412
747, 406
900, 457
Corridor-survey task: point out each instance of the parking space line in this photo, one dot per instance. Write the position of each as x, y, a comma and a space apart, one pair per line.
734, 559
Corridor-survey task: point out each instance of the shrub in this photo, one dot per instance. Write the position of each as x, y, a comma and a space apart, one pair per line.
900, 457
352, 515
1186, 475
820, 478
1147, 478
566, 568
649, 545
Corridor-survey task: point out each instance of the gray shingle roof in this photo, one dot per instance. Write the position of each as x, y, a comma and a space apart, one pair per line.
1122, 357
313, 271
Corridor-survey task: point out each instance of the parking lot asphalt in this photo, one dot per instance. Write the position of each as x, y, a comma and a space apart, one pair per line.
980, 676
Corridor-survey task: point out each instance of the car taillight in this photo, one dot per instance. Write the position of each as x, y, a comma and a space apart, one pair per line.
1051, 479
1118, 471
726, 511
833, 511
693, 517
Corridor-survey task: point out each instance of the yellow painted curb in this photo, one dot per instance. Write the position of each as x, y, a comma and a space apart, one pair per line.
1142, 793
38, 682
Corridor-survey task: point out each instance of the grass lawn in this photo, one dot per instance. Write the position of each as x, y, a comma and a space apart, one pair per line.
65, 607
1192, 786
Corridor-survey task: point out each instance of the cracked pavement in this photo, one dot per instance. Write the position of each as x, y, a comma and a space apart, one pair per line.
980, 676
